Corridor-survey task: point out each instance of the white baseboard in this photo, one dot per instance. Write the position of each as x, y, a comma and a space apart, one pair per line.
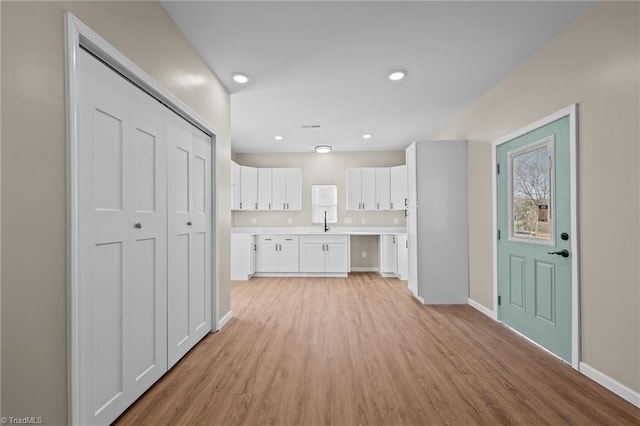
225, 319
364, 269
613, 385
488, 312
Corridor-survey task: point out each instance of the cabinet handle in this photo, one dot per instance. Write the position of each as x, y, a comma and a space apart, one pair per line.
287, 206
406, 212
189, 223
378, 206
269, 206
284, 206
406, 243
256, 206
391, 206
394, 240
255, 247
406, 202
240, 205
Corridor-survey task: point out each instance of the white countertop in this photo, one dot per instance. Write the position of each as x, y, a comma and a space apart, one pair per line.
319, 230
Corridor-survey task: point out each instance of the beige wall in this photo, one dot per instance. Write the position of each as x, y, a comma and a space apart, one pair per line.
594, 63
34, 339
321, 169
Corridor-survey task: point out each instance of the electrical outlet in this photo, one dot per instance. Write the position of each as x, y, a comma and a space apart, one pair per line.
254, 220
395, 220
364, 221
290, 221
364, 254
348, 220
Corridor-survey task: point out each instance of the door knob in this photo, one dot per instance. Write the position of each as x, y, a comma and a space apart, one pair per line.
563, 253
189, 223
138, 225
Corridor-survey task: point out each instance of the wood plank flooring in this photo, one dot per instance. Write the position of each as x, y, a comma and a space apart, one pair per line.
361, 350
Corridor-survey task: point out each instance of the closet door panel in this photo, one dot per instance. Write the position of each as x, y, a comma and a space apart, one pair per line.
200, 291
147, 268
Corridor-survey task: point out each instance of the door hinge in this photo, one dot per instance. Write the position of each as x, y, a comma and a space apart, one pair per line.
499, 300
499, 234
498, 168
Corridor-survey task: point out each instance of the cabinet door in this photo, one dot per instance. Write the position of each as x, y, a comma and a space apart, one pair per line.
264, 189
354, 188
383, 188
267, 255
252, 255
369, 188
412, 177
387, 254
398, 187
249, 188
312, 258
279, 189
403, 250
294, 189
235, 186
288, 255
336, 257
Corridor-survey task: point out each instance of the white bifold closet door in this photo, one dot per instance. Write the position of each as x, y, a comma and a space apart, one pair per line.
189, 237
144, 240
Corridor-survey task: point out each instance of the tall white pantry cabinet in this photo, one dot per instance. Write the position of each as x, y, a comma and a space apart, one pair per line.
437, 221
144, 237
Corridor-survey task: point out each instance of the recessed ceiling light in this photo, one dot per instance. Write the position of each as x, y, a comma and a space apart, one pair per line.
240, 78
323, 149
367, 136
278, 138
397, 75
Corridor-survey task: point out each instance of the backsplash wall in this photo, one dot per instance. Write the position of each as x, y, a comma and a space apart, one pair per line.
321, 169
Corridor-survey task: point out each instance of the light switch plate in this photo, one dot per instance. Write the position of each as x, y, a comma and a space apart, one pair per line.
348, 220
364, 254
290, 221
254, 220
364, 221
395, 220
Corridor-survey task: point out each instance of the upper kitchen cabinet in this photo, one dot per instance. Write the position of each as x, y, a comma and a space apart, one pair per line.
248, 188
361, 188
383, 188
265, 189
287, 189
398, 187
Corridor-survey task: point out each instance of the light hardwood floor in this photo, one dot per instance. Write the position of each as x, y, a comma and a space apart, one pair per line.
361, 350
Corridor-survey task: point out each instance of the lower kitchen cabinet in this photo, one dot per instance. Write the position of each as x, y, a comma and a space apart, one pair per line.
394, 251
277, 253
402, 244
243, 251
324, 253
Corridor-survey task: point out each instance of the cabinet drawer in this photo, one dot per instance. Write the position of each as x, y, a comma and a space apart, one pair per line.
267, 238
324, 239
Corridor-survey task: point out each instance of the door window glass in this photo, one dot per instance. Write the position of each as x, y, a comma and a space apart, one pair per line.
531, 192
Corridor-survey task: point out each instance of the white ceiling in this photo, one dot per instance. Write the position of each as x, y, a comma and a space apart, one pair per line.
325, 63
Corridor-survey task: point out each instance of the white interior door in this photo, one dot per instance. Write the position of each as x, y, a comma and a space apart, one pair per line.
122, 242
189, 272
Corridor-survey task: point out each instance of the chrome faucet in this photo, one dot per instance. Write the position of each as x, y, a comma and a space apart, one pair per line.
326, 227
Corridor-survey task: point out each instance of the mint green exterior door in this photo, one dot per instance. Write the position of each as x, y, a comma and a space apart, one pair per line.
534, 225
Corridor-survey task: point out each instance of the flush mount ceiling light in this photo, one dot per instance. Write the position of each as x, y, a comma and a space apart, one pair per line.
323, 149
367, 136
397, 75
278, 138
240, 78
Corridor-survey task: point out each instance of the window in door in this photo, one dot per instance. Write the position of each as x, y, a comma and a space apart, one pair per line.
531, 186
